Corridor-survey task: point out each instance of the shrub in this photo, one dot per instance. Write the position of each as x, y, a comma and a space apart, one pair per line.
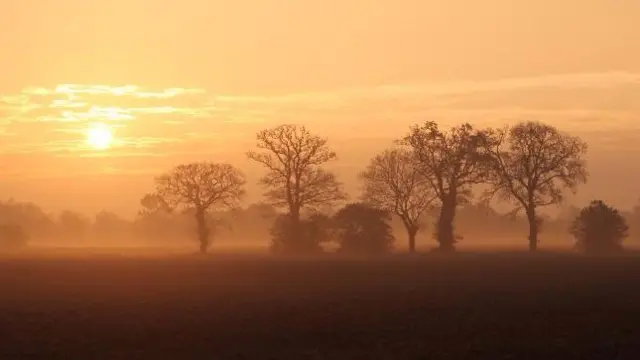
599, 228
311, 234
363, 230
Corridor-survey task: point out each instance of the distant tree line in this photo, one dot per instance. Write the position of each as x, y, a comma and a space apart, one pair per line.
428, 173
530, 165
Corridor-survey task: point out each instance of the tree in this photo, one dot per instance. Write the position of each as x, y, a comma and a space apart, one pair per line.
451, 162
200, 187
363, 230
109, 225
73, 225
153, 204
295, 179
393, 182
155, 221
532, 164
599, 228
27, 215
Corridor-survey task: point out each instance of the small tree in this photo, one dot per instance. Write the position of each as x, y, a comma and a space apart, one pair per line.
363, 230
295, 178
532, 164
599, 229
393, 182
452, 162
200, 187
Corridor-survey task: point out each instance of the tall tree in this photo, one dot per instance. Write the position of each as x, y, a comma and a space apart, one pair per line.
295, 178
533, 164
392, 182
201, 187
451, 162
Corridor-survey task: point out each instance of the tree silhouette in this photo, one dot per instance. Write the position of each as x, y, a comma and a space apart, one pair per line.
451, 162
73, 225
532, 163
599, 229
393, 182
152, 204
107, 225
27, 215
363, 230
295, 179
200, 187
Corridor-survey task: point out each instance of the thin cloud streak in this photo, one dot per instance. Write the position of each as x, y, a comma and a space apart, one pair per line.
157, 120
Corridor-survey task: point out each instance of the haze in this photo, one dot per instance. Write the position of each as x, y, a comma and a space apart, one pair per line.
358, 72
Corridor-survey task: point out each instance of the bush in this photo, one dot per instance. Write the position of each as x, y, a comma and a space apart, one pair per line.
599, 228
363, 230
312, 233
13, 237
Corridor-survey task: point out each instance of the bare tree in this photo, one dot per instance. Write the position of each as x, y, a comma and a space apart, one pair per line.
451, 162
533, 164
393, 182
200, 187
295, 180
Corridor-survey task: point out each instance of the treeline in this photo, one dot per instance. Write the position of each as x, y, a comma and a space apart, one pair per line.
432, 183
530, 166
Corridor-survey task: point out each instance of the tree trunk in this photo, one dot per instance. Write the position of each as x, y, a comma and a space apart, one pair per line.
444, 230
533, 229
203, 231
298, 241
412, 240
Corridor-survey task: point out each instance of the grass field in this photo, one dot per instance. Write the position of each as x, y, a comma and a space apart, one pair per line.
238, 306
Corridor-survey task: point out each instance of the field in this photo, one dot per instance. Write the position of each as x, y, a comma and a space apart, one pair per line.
241, 306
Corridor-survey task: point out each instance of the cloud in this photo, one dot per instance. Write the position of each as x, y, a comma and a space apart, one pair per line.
180, 120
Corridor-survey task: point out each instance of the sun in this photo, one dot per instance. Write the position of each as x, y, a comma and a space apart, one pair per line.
99, 136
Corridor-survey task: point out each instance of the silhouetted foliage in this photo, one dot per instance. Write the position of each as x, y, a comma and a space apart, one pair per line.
599, 229
532, 164
393, 182
13, 237
307, 237
200, 187
29, 216
295, 179
73, 225
451, 162
153, 203
362, 229
110, 226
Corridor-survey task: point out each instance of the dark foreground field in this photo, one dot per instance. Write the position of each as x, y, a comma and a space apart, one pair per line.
490, 306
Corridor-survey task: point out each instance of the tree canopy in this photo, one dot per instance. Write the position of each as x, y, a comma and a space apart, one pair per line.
451, 161
199, 187
393, 182
533, 164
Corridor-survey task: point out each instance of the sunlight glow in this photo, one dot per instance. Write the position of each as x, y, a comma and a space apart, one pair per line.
99, 136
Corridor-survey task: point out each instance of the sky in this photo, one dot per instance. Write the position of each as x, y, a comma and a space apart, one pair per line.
196, 79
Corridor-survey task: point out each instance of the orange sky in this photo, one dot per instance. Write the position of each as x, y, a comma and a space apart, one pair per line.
205, 75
